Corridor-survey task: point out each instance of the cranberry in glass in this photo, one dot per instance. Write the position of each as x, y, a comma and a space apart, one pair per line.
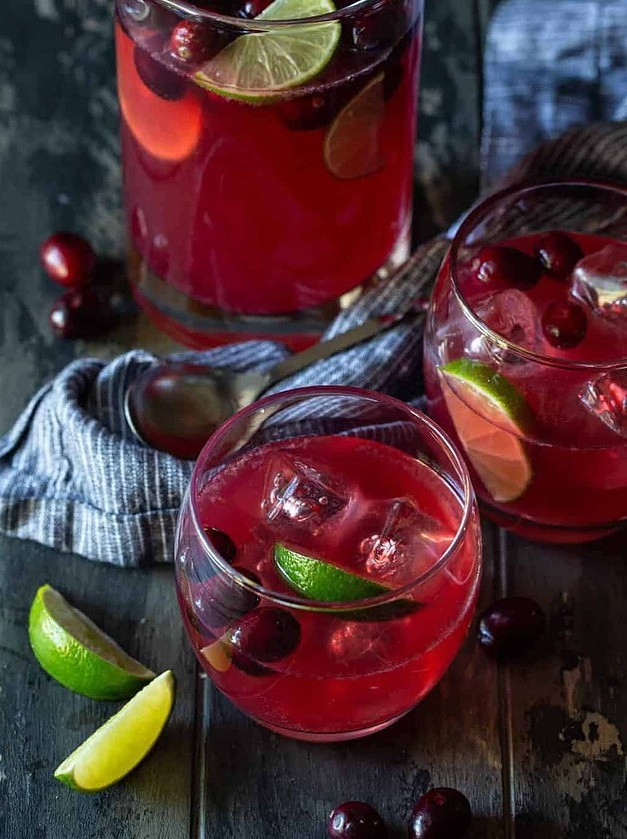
222, 542
158, 78
220, 600
81, 313
266, 634
498, 265
511, 626
67, 258
355, 820
564, 324
558, 253
192, 41
441, 813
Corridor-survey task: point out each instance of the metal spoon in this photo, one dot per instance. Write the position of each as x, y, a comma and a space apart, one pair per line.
176, 406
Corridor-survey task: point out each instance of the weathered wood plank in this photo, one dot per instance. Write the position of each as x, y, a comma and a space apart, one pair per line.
567, 702
257, 784
41, 722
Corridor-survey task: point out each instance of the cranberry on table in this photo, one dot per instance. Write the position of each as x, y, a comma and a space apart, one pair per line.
564, 324
81, 313
157, 77
441, 813
499, 265
222, 542
266, 634
558, 253
193, 41
356, 820
511, 626
67, 258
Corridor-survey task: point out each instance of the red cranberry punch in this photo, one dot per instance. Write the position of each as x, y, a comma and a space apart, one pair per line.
267, 158
327, 570
526, 357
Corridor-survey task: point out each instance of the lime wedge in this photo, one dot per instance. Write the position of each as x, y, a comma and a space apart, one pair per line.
318, 580
489, 415
118, 746
75, 652
352, 147
259, 66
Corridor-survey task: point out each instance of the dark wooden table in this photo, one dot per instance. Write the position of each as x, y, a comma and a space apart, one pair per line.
537, 747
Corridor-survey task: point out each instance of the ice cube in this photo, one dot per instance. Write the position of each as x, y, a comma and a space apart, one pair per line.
397, 541
513, 316
600, 280
352, 642
300, 493
606, 398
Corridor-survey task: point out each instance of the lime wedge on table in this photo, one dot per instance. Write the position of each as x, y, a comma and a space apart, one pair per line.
75, 652
352, 147
261, 65
119, 745
489, 415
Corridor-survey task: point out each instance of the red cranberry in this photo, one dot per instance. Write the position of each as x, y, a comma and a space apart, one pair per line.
356, 820
511, 626
564, 324
504, 266
267, 634
81, 313
441, 813
222, 542
193, 41
158, 78
221, 600
67, 258
558, 253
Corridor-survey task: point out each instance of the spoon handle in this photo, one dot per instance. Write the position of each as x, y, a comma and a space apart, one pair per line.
325, 349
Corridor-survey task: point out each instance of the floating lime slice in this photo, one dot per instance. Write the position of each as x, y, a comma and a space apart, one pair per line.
119, 745
259, 66
352, 147
75, 652
489, 415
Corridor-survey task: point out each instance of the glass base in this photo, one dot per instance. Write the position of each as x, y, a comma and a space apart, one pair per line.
554, 534
334, 737
201, 326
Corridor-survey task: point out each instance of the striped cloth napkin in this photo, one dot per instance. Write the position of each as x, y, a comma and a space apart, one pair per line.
73, 477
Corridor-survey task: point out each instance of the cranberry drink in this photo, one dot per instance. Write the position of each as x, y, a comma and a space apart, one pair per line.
370, 586
267, 167
525, 369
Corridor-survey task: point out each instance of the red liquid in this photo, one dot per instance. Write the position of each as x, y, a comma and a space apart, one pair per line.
346, 677
232, 208
578, 488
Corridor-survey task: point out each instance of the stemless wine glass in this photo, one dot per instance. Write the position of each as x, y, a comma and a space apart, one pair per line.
267, 152
327, 560
526, 357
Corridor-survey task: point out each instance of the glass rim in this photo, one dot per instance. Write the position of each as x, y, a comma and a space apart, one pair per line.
481, 209
303, 603
192, 11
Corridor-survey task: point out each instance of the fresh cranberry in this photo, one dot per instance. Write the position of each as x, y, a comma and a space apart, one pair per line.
511, 626
222, 542
220, 600
498, 265
81, 313
266, 634
252, 8
558, 253
193, 41
356, 820
67, 258
564, 324
158, 78
441, 813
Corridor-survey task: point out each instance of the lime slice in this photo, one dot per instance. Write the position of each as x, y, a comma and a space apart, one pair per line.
318, 580
75, 652
352, 148
259, 66
118, 746
489, 415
